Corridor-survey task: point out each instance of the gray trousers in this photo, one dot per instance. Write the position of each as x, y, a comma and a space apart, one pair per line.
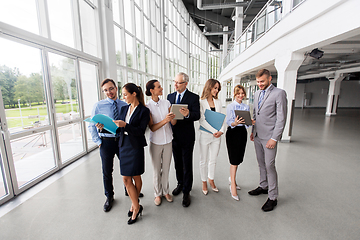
266, 161
161, 159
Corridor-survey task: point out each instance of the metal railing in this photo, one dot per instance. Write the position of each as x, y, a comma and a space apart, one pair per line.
267, 17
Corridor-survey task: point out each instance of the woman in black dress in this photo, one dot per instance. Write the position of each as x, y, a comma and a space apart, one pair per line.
236, 136
132, 125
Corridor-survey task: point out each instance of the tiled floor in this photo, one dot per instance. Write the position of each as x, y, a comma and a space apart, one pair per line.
318, 186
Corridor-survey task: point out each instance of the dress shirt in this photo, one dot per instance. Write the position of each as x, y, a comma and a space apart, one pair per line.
181, 97
104, 107
158, 111
230, 112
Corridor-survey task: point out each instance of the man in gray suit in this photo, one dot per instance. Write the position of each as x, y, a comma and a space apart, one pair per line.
270, 108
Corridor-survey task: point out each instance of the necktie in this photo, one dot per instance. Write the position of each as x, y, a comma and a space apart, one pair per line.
115, 111
262, 94
178, 99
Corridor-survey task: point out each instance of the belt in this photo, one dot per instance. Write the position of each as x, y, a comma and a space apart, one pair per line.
110, 138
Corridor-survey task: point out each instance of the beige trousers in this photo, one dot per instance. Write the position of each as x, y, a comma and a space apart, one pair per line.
161, 159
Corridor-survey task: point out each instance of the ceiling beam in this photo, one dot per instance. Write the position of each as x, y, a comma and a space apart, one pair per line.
214, 6
211, 17
217, 33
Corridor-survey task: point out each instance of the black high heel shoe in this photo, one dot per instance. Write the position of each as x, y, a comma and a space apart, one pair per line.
130, 212
131, 221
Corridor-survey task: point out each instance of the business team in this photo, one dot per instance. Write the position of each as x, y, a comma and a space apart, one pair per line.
270, 106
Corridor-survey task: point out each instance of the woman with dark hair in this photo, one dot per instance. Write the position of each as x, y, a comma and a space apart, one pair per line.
236, 136
209, 141
160, 139
134, 119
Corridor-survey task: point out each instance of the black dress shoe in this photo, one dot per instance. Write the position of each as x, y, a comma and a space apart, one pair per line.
177, 190
108, 204
131, 221
186, 200
269, 205
258, 191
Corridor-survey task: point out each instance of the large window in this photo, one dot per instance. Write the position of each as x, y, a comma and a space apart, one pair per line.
20, 13
61, 22
22, 86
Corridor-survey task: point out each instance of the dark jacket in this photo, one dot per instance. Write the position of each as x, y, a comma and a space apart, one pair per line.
183, 130
136, 126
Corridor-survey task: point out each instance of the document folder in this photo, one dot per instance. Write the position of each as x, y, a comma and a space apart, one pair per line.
215, 119
108, 123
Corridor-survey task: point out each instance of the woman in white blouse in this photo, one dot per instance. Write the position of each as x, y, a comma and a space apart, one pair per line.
209, 142
160, 139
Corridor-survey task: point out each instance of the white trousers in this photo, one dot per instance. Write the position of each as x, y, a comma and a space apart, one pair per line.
209, 150
161, 159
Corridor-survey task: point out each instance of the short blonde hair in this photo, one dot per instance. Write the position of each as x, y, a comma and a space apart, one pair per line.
237, 89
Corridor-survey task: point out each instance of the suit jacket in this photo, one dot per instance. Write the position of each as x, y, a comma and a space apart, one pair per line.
136, 126
183, 130
205, 105
271, 116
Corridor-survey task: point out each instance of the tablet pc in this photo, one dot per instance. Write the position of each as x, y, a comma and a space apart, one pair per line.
175, 108
245, 115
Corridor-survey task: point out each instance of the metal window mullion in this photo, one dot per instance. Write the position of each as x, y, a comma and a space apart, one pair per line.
8, 162
75, 10
51, 107
43, 18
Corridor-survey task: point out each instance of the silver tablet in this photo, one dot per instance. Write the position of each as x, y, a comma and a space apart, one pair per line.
245, 115
175, 108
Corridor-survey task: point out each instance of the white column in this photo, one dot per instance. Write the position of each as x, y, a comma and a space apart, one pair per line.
287, 66
108, 41
225, 41
235, 81
334, 92
238, 18
223, 94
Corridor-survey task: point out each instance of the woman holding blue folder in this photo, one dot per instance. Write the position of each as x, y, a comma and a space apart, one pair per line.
236, 136
134, 119
209, 136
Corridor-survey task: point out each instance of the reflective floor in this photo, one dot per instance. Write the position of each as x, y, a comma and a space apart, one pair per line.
318, 195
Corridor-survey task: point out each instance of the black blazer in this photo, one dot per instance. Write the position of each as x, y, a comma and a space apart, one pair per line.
136, 126
183, 130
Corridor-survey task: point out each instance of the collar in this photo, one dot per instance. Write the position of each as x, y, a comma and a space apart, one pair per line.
111, 101
182, 94
155, 103
237, 102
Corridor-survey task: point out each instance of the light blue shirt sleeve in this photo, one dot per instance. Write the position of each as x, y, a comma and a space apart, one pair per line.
93, 129
230, 113
103, 107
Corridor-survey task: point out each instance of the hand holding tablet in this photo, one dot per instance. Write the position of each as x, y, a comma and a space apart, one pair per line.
175, 108
245, 115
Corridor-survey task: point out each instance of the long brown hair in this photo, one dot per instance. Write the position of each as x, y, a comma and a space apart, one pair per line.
209, 85
131, 88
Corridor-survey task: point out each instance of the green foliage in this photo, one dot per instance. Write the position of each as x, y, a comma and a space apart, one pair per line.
30, 89
8, 79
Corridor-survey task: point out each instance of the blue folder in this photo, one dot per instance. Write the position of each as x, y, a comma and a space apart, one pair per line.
108, 123
215, 119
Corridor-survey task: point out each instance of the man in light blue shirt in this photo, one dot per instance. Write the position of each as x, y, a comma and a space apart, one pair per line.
107, 142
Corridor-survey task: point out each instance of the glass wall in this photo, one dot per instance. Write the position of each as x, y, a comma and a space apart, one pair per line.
152, 51
47, 88
50, 84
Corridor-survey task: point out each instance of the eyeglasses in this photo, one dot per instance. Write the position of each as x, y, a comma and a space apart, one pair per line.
110, 90
178, 83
